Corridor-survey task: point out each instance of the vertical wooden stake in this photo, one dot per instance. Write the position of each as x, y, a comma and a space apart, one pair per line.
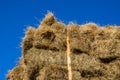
68, 58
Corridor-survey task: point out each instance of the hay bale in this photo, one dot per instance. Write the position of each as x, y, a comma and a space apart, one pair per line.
28, 39
50, 37
53, 73
95, 52
18, 73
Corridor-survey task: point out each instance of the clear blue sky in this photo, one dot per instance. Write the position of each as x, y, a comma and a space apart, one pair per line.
16, 15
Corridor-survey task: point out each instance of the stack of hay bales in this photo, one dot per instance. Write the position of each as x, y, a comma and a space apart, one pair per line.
95, 52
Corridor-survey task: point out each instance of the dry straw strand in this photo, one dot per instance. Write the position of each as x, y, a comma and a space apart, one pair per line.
68, 58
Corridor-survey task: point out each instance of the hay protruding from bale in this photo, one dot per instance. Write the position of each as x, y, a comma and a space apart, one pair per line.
49, 19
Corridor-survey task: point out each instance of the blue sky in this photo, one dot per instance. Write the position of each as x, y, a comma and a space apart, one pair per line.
16, 15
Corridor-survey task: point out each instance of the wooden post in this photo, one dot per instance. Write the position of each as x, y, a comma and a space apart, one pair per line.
68, 57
